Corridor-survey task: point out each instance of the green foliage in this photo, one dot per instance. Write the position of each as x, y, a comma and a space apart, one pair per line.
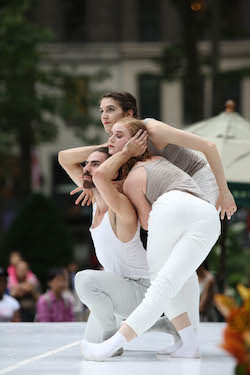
172, 62
20, 68
39, 233
237, 258
33, 91
241, 369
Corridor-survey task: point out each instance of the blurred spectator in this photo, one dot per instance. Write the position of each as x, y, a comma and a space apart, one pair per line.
15, 258
72, 268
54, 306
207, 285
9, 306
80, 310
26, 291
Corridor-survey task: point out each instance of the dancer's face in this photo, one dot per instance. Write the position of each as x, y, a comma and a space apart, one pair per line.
92, 163
120, 135
58, 284
111, 112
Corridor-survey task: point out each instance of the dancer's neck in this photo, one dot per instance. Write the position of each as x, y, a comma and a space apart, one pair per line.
101, 205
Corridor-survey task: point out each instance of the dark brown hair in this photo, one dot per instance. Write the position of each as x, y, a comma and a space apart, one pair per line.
126, 101
104, 150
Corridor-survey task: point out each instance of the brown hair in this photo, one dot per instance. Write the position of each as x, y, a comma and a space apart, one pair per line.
133, 125
104, 150
126, 101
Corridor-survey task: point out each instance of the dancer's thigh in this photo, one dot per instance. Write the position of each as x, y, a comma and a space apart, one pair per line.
174, 217
164, 230
124, 294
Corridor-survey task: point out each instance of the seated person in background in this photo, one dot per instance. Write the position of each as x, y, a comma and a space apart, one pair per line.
15, 258
79, 309
26, 291
207, 285
53, 306
9, 306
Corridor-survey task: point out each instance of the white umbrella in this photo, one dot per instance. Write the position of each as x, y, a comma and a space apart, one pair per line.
231, 134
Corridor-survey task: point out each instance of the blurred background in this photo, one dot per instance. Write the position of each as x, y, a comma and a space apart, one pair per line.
182, 60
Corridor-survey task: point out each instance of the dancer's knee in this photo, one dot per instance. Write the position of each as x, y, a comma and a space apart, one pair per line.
84, 284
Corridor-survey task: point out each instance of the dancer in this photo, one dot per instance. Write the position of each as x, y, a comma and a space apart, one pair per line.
182, 229
176, 146
168, 142
112, 294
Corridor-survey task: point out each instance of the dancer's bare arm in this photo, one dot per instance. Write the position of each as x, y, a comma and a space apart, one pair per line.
162, 134
72, 158
115, 200
134, 189
107, 171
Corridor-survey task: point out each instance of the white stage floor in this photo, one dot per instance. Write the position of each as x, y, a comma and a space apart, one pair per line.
53, 348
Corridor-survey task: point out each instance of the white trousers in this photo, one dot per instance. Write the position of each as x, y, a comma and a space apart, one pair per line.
190, 292
110, 299
182, 230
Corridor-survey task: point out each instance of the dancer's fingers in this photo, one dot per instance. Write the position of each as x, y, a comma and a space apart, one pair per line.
81, 196
89, 200
76, 190
222, 214
229, 214
144, 136
137, 135
85, 199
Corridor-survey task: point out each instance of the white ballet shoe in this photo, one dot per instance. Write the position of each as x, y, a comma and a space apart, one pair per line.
170, 349
107, 349
185, 353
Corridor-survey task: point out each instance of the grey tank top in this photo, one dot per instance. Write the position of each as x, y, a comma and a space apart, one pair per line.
163, 176
182, 157
187, 160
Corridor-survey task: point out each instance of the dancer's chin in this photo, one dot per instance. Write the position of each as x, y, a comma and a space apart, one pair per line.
111, 151
88, 184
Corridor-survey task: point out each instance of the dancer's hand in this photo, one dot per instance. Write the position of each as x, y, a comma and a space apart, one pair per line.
137, 145
227, 204
86, 196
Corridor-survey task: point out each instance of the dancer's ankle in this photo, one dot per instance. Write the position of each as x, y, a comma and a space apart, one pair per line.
127, 332
181, 321
190, 344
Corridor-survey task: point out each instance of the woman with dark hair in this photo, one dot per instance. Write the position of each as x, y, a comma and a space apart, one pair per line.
182, 229
173, 144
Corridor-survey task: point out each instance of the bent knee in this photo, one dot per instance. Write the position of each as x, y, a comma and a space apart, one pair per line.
84, 283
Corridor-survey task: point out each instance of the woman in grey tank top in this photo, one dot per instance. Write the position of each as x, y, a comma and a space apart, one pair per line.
182, 229
175, 145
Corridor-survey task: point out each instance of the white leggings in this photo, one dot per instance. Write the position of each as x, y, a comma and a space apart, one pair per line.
190, 291
182, 230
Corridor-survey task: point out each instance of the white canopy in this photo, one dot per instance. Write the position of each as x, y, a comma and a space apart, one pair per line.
231, 134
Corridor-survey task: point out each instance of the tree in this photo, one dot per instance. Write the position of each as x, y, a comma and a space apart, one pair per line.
183, 60
39, 233
32, 94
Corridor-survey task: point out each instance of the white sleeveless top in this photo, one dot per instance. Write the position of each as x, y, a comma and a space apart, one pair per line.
126, 259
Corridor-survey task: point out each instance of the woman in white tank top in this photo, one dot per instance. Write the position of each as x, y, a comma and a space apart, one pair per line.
112, 295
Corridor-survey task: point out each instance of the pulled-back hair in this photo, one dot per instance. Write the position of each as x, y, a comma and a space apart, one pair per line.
104, 150
133, 125
126, 101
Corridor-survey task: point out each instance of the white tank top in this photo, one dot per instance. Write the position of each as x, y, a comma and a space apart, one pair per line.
126, 259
